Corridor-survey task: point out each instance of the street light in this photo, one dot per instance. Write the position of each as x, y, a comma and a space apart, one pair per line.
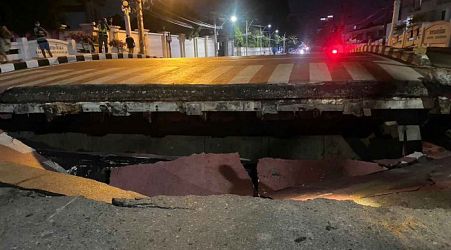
323, 19
277, 31
233, 19
269, 26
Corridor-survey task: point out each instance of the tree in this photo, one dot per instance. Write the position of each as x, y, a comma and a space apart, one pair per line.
238, 35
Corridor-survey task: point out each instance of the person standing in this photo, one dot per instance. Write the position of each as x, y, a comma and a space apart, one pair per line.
41, 36
5, 43
103, 35
130, 44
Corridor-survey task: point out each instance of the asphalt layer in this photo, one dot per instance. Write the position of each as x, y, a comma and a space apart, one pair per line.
34, 221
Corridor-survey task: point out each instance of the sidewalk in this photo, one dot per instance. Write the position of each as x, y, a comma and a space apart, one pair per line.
35, 63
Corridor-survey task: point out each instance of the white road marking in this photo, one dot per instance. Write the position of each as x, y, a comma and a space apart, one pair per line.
281, 74
81, 78
212, 75
246, 74
181, 75
149, 74
319, 72
402, 73
111, 77
35, 76
358, 72
52, 78
19, 74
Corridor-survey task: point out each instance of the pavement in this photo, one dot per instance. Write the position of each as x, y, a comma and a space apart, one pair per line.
33, 220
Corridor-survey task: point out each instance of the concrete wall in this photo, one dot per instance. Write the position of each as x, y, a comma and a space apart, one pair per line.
154, 45
175, 47
189, 48
200, 41
253, 148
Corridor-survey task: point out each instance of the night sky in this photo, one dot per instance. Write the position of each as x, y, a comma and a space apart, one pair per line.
300, 17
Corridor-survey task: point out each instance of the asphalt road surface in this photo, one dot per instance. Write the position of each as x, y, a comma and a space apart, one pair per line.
308, 69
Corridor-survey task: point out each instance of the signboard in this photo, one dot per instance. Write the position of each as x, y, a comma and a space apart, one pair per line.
438, 34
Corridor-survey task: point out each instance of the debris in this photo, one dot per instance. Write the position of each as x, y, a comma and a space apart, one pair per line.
435, 152
278, 174
407, 160
202, 174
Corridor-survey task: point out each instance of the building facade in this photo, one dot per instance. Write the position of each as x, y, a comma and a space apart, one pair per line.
426, 10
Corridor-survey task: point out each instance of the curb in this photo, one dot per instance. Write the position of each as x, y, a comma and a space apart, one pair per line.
36, 63
399, 54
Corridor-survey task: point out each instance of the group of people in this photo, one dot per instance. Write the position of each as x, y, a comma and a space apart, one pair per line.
41, 38
41, 35
103, 29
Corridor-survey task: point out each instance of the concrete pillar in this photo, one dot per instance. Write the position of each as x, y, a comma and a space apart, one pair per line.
206, 45
71, 47
165, 45
182, 39
196, 47
24, 48
448, 14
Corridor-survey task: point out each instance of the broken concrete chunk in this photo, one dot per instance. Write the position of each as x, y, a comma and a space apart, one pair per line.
277, 174
435, 152
202, 174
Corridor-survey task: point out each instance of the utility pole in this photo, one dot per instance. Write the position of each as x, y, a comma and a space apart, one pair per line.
216, 35
396, 10
139, 15
247, 36
126, 10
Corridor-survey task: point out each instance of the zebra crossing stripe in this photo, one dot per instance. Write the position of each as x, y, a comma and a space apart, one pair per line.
149, 74
264, 73
245, 75
18, 75
212, 75
358, 72
319, 72
114, 77
281, 74
401, 72
81, 78
182, 76
48, 80
301, 73
33, 77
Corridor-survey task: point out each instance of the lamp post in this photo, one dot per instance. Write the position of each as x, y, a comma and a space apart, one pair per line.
126, 10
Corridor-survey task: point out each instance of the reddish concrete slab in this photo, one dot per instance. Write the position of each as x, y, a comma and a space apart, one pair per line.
277, 174
203, 174
435, 152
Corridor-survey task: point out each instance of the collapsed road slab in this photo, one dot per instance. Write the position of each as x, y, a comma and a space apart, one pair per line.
277, 174
14, 151
202, 174
58, 183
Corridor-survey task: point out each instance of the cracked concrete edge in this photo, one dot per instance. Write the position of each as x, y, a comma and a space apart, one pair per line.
63, 184
22, 149
357, 107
